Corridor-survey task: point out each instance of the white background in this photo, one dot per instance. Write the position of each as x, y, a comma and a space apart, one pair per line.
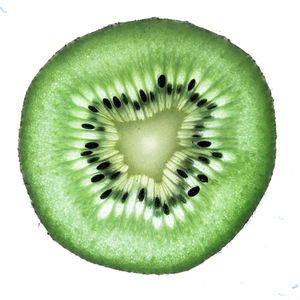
262, 262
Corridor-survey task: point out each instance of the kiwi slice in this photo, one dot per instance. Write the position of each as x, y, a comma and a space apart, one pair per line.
146, 146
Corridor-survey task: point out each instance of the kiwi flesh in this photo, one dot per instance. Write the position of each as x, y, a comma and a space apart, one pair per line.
147, 145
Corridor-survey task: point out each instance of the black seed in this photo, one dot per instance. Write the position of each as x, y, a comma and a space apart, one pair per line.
196, 135
191, 84
97, 178
157, 202
124, 197
217, 154
141, 195
204, 159
115, 175
211, 106
105, 194
199, 126
107, 103
204, 144
194, 97
201, 102
143, 96
93, 159
92, 108
193, 191
91, 145
136, 105
166, 209
179, 89
169, 89
161, 81
181, 199
181, 173
87, 126
116, 101
152, 96
172, 201
85, 153
202, 178
103, 166
124, 99
101, 128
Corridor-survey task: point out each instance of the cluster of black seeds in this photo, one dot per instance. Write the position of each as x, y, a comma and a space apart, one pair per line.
144, 97
156, 203
100, 167
162, 83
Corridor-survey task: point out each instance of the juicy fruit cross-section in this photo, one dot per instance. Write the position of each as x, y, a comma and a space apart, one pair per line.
147, 145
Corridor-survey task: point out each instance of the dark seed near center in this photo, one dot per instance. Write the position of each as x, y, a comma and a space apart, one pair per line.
161, 81
199, 126
136, 105
202, 178
179, 89
204, 144
141, 195
194, 97
87, 126
103, 166
105, 194
93, 159
107, 103
211, 106
166, 209
181, 173
157, 202
117, 102
204, 159
86, 153
91, 145
124, 99
217, 154
124, 197
97, 178
201, 102
115, 175
193, 191
169, 89
191, 84
143, 96
92, 108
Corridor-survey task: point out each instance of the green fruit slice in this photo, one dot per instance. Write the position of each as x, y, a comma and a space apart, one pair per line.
146, 146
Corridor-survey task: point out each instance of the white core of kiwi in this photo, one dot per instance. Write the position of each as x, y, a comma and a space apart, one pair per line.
148, 145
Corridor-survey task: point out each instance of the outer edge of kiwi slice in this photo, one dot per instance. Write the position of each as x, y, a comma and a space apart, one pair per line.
234, 198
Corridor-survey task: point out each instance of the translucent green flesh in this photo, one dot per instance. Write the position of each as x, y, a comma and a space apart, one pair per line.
141, 215
149, 144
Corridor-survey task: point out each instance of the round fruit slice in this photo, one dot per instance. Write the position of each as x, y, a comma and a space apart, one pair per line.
146, 146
